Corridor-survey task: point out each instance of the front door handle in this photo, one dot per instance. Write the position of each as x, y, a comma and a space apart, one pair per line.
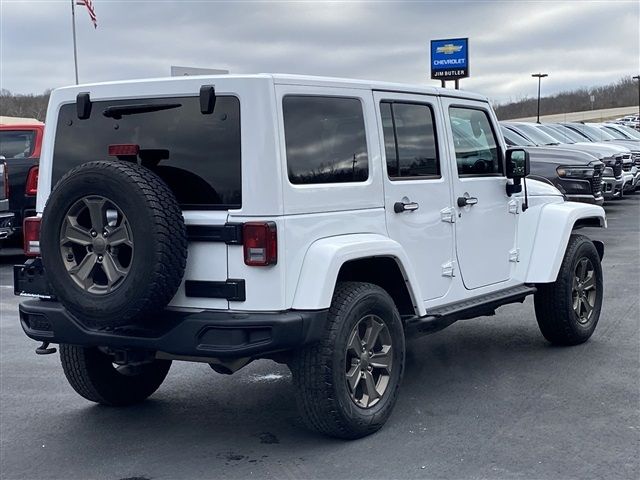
464, 201
400, 207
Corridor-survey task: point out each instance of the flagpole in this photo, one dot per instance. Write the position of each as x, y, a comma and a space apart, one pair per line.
75, 48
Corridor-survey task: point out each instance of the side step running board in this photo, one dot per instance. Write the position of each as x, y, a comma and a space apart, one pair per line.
442, 317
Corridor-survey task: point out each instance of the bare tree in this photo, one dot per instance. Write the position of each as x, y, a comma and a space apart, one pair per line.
29, 106
622, 93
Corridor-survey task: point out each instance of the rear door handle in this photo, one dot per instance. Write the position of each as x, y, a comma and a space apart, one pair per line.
400, 207
464, 201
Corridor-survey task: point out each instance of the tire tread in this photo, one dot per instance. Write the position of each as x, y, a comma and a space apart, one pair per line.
313, 372
170, 238
552, 301
91, 375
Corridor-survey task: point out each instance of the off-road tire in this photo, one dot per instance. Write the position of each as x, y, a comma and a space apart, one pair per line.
318, 371
158, 234
92, 374
553, 302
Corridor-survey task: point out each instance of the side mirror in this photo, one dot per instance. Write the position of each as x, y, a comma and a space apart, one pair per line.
517, 163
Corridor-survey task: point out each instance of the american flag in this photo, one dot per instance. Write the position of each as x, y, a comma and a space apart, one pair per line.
92, 12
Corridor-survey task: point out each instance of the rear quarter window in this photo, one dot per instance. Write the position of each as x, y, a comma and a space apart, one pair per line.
325, 139
197, 155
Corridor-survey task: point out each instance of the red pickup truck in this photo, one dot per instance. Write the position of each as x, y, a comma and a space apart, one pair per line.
20, 146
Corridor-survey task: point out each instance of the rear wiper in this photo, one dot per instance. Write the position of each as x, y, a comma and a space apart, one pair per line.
119, 111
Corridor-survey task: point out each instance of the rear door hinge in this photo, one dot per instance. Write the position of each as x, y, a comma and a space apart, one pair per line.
513, 206
449, 269
448, 215
514, 255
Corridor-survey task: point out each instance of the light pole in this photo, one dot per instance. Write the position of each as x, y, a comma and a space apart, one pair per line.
540, 76
637, 77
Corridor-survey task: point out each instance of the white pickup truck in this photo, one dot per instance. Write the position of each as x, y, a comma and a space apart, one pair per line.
318, 222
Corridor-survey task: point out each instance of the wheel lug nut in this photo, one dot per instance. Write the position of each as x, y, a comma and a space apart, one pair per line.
70, 257
99, 258
94, 233
369, 368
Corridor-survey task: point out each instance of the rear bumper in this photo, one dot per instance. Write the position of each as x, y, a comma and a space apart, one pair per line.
212, 334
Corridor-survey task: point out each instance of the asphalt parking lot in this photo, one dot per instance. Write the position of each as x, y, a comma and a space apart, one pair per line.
486, 398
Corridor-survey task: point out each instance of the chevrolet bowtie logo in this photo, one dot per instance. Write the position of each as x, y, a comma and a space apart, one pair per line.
449, 48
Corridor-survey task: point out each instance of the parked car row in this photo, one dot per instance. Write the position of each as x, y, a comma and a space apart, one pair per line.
629, 121
20, 153
587, 162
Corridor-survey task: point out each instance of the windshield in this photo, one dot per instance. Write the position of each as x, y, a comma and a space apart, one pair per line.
613, 132
559, 136
534, 134
631, 132
594, 134
568, 133
17, 143
515, 139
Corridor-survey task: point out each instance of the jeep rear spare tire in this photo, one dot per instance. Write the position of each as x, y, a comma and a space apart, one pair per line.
113, 243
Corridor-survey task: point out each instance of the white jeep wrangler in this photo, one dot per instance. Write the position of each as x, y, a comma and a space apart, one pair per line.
317, 222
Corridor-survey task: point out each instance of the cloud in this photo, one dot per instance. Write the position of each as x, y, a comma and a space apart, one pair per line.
577, 43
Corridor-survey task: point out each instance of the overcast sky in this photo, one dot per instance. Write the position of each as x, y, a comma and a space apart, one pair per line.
579, 43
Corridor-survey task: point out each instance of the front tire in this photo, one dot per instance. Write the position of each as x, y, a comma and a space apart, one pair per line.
347, 383
568, 309
93, 375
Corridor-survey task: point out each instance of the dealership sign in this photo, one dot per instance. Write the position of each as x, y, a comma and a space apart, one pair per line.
450, 58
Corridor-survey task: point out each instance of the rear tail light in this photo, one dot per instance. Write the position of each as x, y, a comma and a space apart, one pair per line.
31, 234
260, 242
31, 187
123, 149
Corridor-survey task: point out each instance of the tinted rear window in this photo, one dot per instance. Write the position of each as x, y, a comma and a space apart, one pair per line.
17, 143
325, 139
197, 155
